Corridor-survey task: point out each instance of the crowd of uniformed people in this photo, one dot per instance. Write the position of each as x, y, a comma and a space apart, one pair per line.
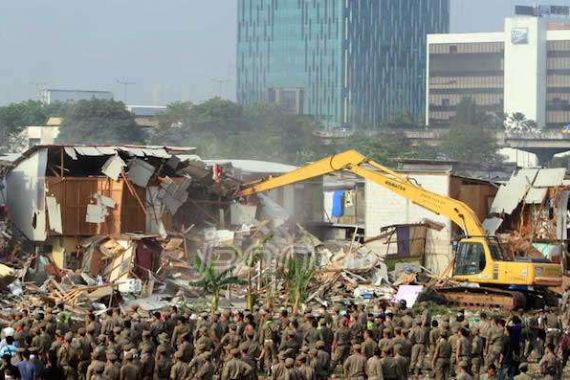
351, 342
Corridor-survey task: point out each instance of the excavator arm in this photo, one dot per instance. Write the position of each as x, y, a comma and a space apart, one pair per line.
351, 160
478, 259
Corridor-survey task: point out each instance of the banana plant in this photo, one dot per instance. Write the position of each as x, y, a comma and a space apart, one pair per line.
214, 281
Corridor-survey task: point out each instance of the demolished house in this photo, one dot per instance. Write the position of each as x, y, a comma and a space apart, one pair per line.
530, 214
93, 224
104, 211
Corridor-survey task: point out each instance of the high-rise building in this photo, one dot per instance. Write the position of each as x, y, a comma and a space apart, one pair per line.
523, 69
356, 62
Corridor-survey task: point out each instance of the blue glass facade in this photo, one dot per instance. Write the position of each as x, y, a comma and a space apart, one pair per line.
343, 61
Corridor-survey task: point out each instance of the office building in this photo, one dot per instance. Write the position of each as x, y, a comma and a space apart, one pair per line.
524, 68
355, 62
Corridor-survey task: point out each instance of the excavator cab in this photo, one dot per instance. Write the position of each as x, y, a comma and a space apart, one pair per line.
481, 260
473, 254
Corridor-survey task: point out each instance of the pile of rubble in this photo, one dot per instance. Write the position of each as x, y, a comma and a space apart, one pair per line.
110, 226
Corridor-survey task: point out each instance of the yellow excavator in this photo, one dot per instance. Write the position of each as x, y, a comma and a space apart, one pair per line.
483, 275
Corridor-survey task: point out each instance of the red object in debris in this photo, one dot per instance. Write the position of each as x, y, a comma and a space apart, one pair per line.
217, 173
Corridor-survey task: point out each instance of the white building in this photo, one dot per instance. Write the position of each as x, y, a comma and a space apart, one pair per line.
40, 134
525, 68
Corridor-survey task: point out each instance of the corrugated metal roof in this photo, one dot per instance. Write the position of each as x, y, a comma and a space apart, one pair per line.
255, 166
535, 195
550, 177
510, 195
491, 225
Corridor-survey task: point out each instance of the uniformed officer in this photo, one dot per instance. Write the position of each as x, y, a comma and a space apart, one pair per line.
463, 351
354, 367
341, 343
419, 339
129, 371
390, 370
462, 368
477, 348
374, 366
180, 369
441, 361
236, 369
112, 368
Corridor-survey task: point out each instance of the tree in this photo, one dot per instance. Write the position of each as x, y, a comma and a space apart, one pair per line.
298, 275
519, 124
468, 113
99, 121
471, 143
221, 128
403, 120
14, 117
213, 281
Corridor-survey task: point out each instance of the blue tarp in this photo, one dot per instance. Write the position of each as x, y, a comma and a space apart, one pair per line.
338, 203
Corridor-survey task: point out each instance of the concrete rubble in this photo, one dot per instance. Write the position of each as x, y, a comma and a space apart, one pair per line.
117, 226
110, 227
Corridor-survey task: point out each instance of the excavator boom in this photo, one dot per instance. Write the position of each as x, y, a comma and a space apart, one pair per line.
478, 260
355, 162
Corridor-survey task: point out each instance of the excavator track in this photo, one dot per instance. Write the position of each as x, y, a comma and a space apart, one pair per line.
477, 297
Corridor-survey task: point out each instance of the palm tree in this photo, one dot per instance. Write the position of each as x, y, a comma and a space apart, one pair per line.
213, 281
298, 276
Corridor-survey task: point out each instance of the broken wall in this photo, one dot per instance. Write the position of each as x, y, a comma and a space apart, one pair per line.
385, 208
26, 196
478, 195
74, 195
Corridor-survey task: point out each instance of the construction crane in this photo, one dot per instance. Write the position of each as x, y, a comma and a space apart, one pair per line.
482, 273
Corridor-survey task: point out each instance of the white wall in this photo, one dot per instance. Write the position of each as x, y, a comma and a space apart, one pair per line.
384, 208
525, 68
520, 157
26, 196
46, 135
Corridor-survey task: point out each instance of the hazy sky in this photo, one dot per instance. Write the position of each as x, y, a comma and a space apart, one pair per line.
170, 49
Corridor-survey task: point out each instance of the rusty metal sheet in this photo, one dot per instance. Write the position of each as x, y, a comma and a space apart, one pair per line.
75, 193
134, 151
156, 152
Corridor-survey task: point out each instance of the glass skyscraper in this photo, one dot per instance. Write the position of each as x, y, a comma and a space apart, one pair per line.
355, 62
